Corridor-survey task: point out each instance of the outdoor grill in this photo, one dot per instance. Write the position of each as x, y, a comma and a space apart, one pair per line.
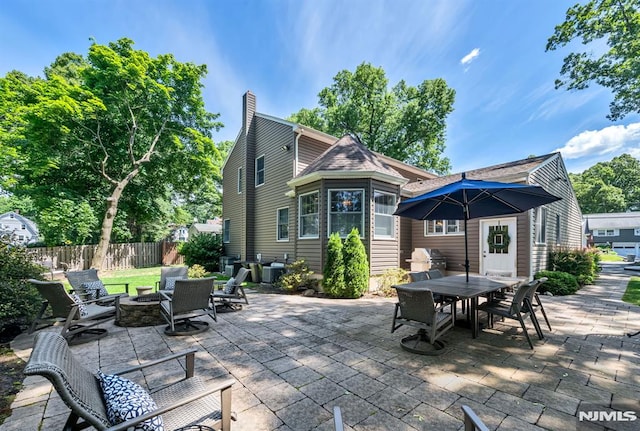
424, 259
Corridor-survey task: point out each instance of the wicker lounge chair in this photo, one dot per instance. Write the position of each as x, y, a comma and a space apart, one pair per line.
416, 307
191, 298
79, 279
232, 298
80, 318
177, 272
186, 402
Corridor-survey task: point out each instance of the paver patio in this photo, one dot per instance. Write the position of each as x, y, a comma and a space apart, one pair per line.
295, 357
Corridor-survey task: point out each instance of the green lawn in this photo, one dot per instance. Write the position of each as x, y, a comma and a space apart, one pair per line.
632, 294
611, 257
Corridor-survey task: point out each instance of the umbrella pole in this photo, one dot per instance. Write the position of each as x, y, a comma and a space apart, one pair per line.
466, 248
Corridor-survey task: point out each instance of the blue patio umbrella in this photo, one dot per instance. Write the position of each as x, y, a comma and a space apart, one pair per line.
467, 199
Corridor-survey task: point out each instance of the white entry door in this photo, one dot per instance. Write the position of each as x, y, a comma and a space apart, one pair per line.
498, 247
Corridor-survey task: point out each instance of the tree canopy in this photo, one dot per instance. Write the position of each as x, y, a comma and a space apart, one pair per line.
610, 29
405, 122
609, 186
116, 131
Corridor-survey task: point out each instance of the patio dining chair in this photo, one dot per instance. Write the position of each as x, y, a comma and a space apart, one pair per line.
87, 284
471, 421
78, 317
517, 308
416, 308
534, 300
188, 402
189, 299
232, 295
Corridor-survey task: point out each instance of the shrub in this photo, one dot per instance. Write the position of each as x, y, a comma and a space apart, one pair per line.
196, 271
333, 274
582, 264
202, 249
298, 276
356, 266
20, 301
559, 283
389, 278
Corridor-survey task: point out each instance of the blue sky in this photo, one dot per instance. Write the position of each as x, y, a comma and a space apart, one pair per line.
491, 52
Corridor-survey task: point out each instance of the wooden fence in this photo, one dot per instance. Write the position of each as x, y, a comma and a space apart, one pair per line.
119, 256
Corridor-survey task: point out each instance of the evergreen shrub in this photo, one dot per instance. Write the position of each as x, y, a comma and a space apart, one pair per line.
390, 277
356, 266
203, 249
582, 264
559, 283
333, 273
298, 276
20, 301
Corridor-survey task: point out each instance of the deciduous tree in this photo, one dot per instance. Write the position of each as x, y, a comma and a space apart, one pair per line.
405, 122
118, 119
610, 31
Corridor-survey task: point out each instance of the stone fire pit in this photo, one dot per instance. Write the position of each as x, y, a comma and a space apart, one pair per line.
140, 311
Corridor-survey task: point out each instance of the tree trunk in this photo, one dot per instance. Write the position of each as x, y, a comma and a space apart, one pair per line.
107, 222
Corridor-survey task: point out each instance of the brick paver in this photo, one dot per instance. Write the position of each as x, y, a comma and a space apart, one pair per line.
294, 358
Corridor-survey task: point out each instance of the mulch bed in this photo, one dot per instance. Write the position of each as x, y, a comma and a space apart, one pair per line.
11, 376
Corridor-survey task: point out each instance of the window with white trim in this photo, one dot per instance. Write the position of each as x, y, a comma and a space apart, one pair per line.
541, 225
346, 211
309, 215
606, 232
442, 227
239, 180
283, 224
226, 231
260, 171
384, 220
558, 230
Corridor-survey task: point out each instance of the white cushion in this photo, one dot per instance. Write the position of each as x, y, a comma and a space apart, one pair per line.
82, 308
95, 289
127, 400
229, 287
170, 282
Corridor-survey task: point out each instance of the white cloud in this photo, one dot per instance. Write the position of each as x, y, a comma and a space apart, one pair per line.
604, 141
475, 52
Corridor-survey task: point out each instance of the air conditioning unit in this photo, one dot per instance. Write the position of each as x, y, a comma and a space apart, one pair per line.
271, 273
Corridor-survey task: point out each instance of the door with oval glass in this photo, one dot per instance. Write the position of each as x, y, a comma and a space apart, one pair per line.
498, 247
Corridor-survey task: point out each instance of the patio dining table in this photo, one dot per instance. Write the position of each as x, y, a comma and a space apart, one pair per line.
458, 286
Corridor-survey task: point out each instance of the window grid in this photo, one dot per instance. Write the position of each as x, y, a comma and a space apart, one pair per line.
260, 171
309, 215
541, 225
346, 211
226, 231
384, 220
442, 227
283, 224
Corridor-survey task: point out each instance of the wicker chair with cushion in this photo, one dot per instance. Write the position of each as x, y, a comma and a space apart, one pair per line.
191, 298
169, 275
232, 294
186, 402
79, 317
417, 308
88, 285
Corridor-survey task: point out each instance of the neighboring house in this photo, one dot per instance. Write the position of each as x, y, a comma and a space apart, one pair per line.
288, 187
18, 229
179, 233
621, 231
212, 227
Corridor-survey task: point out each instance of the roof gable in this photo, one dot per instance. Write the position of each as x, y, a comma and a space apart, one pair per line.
349, 154
508, 172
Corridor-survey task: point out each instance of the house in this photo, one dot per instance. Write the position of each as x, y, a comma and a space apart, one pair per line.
211, 227
18, 229
287, 187
620, 231
178, 233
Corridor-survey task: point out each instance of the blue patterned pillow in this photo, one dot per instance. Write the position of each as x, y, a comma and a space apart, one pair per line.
127, 400
230, 286
96, 289
82, 309
170, 282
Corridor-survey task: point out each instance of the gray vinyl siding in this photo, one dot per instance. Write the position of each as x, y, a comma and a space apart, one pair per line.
383, 253
308, 150
406, 240
311, 249
553, 178
233, 203
271, 136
